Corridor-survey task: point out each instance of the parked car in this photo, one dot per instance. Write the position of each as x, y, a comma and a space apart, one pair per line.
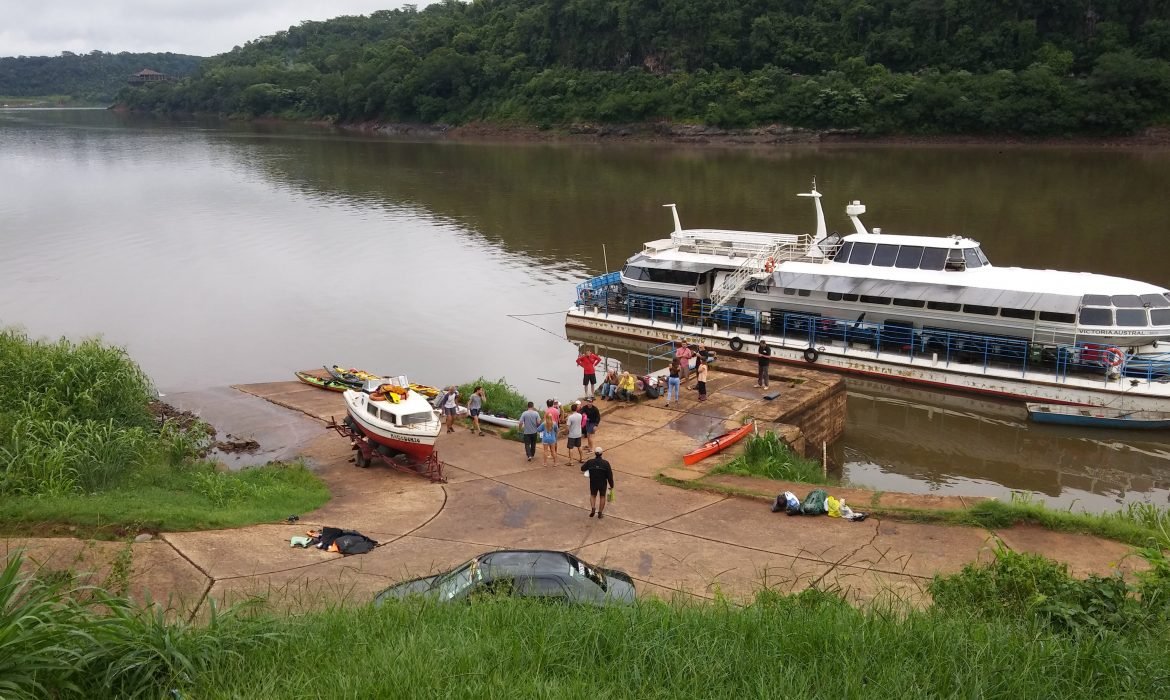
539, 574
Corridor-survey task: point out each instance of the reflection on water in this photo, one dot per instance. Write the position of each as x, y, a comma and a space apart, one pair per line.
238, 253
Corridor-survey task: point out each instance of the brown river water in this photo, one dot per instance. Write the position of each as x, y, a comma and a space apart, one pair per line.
227, 253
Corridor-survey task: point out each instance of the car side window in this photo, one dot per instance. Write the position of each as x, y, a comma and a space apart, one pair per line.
544, 588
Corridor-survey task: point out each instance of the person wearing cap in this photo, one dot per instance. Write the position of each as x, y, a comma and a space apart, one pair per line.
763, 353
592, 420
600, 476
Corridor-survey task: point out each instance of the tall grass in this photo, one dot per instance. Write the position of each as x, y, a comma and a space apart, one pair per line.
75, 418
767, 456
501, 398
58, 639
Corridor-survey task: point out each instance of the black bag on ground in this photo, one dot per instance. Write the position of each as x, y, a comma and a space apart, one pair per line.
347, 541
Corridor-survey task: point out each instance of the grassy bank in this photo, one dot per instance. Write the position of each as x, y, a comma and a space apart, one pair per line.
765, 455
1017, 627
81, 448
170, 498
501, 398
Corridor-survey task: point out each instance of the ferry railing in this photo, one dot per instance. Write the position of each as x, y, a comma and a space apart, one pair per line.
938, 346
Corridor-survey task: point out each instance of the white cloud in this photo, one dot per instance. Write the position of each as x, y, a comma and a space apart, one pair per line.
200, 27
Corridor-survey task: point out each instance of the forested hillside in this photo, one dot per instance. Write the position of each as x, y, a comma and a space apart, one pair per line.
879, 66
90, 77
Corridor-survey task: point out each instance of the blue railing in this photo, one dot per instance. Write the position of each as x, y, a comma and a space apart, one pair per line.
936, 344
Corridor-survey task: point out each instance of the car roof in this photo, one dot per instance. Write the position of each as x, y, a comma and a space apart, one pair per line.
526, 561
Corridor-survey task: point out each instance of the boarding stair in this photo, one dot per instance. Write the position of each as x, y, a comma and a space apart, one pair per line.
754, 267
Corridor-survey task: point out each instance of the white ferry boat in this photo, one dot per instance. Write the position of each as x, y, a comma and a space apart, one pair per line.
932, 310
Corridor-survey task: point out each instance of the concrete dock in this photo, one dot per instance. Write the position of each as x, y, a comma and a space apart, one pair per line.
674, 542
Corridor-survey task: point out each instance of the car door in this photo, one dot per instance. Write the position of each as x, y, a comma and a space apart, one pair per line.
543, 588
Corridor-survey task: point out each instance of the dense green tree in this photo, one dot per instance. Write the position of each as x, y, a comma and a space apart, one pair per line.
876, 66
92, 77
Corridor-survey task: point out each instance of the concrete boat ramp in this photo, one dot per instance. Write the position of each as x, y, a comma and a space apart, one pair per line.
674, 542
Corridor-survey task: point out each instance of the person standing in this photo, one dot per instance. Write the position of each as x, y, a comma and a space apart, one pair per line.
548, 438
587, 361
554, 409
575, 430
529, 427
701, 383
763, 353
673, 382
600, 476
474, 406
451, 407
683, 354
592, 419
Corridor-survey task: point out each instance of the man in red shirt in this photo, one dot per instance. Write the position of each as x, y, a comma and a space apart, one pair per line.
588, 363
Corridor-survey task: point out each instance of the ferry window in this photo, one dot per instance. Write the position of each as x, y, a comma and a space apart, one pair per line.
943, 306
982, 258
1160, 317
981, 310
915, 303
1055, 317
1018, 313
955, 261
1095, 300
1127, 301
803, 292
789, 291
885, 255
862, 253
971, 256
843, 254
372, 410
933, 259
1132, 317
1156, 301
875, 300
1096, 317
909, 257
634, 272
834, 296
388, 417
415, 418
671, 276
849, 297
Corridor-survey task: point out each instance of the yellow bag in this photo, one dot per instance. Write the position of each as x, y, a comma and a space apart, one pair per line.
834, 504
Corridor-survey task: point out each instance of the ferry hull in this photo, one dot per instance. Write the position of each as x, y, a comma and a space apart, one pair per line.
1124, 393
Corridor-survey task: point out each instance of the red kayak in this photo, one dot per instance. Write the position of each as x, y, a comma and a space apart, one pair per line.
720, 443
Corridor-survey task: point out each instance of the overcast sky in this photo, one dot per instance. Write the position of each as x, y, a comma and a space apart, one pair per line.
200, 27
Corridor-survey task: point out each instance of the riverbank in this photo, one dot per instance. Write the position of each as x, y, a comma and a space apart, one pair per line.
703, 135
697, 544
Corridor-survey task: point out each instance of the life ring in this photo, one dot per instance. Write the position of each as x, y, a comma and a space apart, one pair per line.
736, 344
769, 265
1114, 356
811, 355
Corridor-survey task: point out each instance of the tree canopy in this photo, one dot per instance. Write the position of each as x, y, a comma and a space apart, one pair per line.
91, 77
878, 66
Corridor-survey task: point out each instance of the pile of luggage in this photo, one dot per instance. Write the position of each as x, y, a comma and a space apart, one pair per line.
817, 502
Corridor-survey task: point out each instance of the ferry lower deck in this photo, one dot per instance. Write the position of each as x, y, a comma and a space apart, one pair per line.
997, 366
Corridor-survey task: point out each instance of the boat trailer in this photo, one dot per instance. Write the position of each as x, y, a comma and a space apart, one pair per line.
369, 452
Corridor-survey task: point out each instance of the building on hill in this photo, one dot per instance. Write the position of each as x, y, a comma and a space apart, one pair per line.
147, 75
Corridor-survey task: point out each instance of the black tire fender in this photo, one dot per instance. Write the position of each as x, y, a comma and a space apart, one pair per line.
736, 344
811, 355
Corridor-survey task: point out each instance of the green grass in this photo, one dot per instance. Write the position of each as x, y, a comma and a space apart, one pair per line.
765, 455
1018, 626
81, 452
501, 398
166, 498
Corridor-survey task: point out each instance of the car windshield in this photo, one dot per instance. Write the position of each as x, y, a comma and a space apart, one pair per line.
580, 568
452, 584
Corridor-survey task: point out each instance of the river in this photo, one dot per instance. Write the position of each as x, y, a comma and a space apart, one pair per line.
226, 253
